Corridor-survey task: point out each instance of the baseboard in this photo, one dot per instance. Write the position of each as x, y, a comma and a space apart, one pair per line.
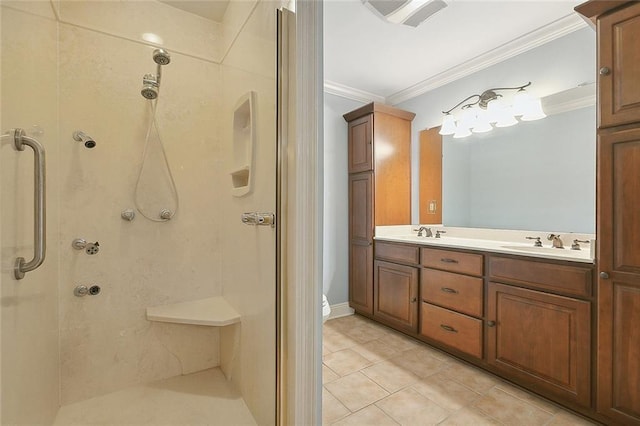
340, 310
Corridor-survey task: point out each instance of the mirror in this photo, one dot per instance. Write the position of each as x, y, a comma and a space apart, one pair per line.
537, 175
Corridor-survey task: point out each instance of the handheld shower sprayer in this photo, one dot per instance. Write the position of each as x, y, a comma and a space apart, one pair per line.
150, 82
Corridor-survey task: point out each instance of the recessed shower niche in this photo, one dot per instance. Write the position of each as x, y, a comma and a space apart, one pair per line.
244, 137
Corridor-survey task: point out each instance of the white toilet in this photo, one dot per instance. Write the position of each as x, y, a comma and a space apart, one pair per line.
326, 308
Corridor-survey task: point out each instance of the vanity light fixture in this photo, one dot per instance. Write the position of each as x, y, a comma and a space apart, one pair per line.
480, 113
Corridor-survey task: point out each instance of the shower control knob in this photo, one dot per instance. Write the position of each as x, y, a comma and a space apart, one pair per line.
92, 248
166, 214
94, 290
89, 248
80, 291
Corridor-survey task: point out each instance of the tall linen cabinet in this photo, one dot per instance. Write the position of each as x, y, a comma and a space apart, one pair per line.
379, 188
618, 208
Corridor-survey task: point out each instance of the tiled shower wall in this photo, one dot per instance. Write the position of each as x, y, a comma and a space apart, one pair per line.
106, 341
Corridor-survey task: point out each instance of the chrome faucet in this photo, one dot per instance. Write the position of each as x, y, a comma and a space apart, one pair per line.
428, 232
576, 244
556, 242
537, 242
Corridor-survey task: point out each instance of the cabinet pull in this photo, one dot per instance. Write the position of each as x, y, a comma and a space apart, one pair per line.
491, 323
605, 71
604, 275
447, 260
449, 290
448, 328
414, 300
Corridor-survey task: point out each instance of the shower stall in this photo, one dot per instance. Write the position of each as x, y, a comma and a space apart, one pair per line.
78, 341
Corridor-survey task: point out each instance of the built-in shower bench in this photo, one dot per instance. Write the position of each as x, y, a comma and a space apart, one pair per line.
212, 311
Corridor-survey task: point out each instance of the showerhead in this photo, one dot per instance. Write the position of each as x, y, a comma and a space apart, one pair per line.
150, 82
149, 92
161, 57
150, 86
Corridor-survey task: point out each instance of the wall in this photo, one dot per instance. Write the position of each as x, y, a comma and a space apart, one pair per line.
335, 269
29, 309
556, 66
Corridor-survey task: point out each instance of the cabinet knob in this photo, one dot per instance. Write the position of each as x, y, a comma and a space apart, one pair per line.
491, 323
605, 71
414, 300
604, 275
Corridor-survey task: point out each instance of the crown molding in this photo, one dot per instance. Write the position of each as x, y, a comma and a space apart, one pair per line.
343, 91
569, 100
552, 31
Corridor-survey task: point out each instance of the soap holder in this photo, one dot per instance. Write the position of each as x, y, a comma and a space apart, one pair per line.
244, 139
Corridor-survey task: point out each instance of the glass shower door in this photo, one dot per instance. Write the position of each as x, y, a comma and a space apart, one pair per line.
28, 307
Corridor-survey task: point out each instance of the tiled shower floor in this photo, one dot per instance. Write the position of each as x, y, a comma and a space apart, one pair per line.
373, 375
203, 398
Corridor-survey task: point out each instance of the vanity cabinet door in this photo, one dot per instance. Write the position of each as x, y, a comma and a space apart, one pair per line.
619, 65
360, 144
396, 295
541, 340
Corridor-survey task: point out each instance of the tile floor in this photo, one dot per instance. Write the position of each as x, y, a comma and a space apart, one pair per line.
373, 375
202, 398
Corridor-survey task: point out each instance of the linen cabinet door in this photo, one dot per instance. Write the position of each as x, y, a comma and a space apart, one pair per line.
619, 65
619, 278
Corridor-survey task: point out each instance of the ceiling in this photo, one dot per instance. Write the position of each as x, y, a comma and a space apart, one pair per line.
366, 57
210, 9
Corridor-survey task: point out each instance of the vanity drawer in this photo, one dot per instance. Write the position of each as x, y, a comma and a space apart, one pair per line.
452, 329
454, 261
454, 291
564, 279
400, 253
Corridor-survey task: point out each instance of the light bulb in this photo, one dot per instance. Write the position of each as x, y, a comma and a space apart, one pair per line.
461, 132
482, 122
534, 110
467, 118
448, 125
521, 102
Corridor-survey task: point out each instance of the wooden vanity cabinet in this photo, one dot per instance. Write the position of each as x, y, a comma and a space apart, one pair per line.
542, 340
536, 337
396, 286
617, 208
451, 299
379, 159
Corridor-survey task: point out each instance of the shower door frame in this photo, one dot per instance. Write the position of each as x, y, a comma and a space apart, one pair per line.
299, 328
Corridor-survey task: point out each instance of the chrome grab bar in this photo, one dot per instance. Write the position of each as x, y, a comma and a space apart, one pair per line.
39, 208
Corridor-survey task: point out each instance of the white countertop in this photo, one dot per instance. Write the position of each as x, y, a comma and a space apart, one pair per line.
495, 241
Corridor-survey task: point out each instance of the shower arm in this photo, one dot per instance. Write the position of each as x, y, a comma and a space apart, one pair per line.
158, 73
